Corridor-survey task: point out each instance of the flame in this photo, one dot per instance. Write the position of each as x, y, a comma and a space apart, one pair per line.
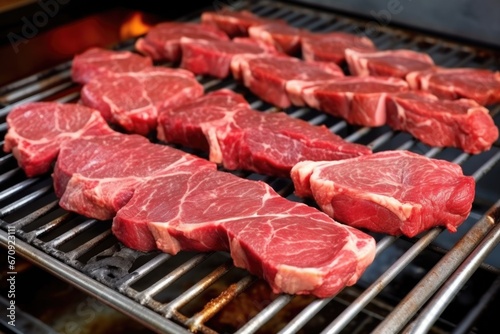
134, 26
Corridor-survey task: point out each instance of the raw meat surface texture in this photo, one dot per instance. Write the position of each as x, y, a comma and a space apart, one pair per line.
162, 42
36, 131
358, 100
461, 123
213, 57
267, 77
234, 23
133, 100
295, 248
390, 63
283, 37
100, 62
95, 177
480, 85
393, 192
239, 137
331, 46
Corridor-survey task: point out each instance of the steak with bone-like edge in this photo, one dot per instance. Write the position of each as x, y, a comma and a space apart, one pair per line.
36, 131
295, 248
239, 137
393, 192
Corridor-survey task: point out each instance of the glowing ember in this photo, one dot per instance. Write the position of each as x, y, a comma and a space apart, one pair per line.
134, 26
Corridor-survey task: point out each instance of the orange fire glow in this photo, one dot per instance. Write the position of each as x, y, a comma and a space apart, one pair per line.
134, 26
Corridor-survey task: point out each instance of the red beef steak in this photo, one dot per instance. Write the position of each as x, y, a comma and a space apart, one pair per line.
239, 137
97, 62
162, 42
37, 130
480, 85
268, 76
234, 23
358, 100
461, 123
295, 248
390, 63
393, 192
213, 57
97, 176
331, 46
133, 99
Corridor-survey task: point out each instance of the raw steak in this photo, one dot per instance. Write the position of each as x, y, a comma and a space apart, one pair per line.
267, 77
393, 192
460, 123
178, 125
480, 85
97, 61
234, 23
162, 42
283, 37
95, 177
391, 63
213, 57
269, 48
133, 99
358, 100
37, 130
294, 247
331, 46
241, 138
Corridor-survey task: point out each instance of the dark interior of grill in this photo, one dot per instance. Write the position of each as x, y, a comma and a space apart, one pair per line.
204, 292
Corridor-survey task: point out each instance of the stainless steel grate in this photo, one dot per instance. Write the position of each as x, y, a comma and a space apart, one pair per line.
193, 292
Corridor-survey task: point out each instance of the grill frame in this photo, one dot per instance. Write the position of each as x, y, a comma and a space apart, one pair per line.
114, 285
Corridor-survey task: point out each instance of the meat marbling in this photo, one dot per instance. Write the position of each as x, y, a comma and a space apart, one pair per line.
133, 99
97, 62
213, 57
162, 42
234, 23
331, 46
264, 232
390, 63
268, 76
97, 176
358, 100
480, 85
394, 192
36, 131
461, 123
242, 138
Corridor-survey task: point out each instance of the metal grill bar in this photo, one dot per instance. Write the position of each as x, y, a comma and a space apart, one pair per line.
434, 309
412, 302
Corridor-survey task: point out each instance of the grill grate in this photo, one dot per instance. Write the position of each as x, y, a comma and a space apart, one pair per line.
191, 291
